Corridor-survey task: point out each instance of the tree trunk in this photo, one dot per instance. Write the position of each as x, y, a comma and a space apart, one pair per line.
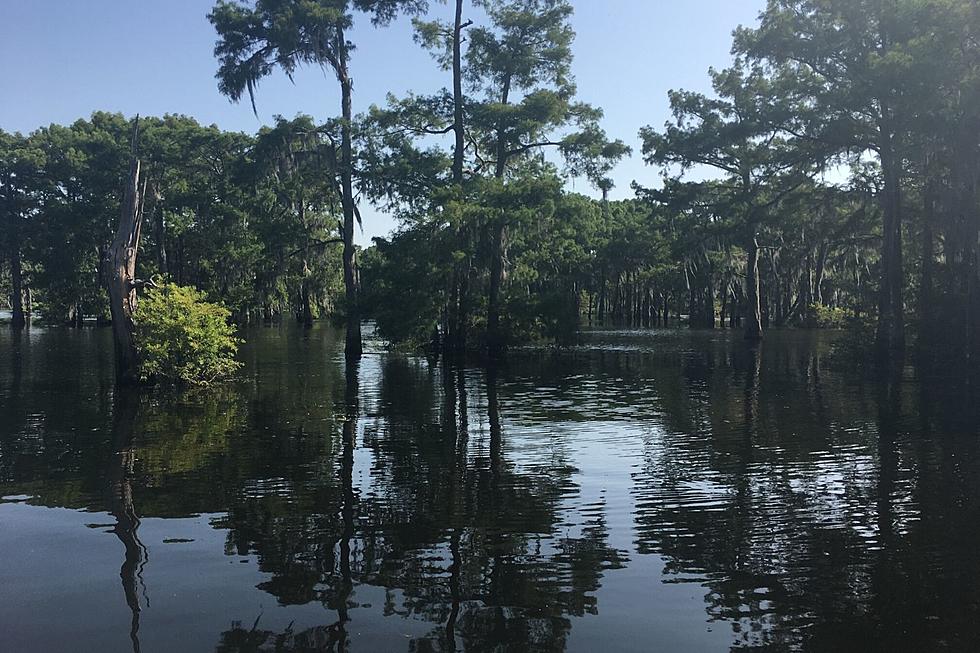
121, 270
724, 307
498, 243
353, 347
928, 264
709, 301
161, 238
494, 338
601, 301
307, 308
460, 145
463, 308
891, 328
457, 313
18, 320
753, 325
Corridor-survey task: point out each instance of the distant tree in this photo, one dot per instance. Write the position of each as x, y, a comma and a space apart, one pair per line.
21, 182
294, 162
741, 135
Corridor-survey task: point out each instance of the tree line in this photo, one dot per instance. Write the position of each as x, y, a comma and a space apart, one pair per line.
831, 176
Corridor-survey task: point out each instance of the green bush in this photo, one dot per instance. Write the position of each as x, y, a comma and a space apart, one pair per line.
830, 318
182, 338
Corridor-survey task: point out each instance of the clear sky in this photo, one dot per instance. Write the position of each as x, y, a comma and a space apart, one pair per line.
60, 60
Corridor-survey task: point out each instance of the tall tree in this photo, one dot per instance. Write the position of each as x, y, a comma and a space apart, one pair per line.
256, 39
521, 66
445, 42
848, 58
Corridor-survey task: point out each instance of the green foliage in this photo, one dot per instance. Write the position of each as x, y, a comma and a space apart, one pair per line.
182, 338
826, 317
834, 163
855, 348
403, 286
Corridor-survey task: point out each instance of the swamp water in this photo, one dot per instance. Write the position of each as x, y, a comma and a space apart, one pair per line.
648, 490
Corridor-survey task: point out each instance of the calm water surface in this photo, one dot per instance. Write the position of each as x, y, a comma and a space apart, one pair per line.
658, 490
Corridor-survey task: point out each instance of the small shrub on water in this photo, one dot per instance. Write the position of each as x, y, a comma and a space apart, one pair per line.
182, 338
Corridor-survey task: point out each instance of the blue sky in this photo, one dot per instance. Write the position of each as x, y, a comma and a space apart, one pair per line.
60, 60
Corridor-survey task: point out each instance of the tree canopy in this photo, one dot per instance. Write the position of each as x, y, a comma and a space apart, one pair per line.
829, 177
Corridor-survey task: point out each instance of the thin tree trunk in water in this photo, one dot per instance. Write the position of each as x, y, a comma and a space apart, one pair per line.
820, 273
17, 283
891, 327
601, 302
647, 306
498, 243
121, 270
753, 325
458, 303
926, 308
807, 296
353, 347
494, 340
709, 302
690, 298
463, 315
307, 316
724, 307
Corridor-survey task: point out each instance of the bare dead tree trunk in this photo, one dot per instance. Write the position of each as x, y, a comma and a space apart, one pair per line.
121, 270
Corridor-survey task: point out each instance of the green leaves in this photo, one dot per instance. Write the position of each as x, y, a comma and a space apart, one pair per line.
182, 338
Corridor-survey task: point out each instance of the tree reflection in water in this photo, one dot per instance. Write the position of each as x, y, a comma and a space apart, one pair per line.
457, 530
438, 507
120, 506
